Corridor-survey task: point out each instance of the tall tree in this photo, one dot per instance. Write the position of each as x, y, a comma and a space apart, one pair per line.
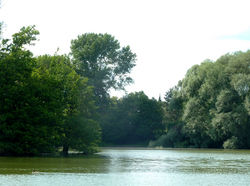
100, 58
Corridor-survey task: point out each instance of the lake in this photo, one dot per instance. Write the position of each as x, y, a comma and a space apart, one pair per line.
131, 166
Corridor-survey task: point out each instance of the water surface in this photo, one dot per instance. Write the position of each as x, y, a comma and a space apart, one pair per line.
131, 166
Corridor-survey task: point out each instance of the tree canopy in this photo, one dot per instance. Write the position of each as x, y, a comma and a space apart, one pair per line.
20, 119
133, 119
214, 109
74, 100
44, 103
101, 59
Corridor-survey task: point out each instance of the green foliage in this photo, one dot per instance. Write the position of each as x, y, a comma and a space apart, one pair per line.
241, 83
107, 65
231, 143
82, 134
247, 104
173, 113
22, 126
74, 101
215, 104
55, 101
133, 119
100, 58
44, 103
24, 37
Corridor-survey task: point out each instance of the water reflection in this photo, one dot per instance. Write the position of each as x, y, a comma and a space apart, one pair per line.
27, 165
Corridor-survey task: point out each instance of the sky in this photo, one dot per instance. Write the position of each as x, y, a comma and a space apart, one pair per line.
168, 36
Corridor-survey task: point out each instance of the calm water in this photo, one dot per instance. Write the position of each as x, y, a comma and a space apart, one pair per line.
135, 166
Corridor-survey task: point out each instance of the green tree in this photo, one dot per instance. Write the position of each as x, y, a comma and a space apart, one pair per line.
197, 90
133, 119
100, 58
175, 134
44, 103
215, 102
73, 98
22, 126
230, 119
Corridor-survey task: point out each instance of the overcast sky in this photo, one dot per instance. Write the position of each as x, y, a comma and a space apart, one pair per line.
168, 36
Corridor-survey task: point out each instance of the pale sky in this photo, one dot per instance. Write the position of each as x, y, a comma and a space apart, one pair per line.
168, 36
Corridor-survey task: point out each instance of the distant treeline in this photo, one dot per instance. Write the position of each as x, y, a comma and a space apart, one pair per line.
53, 103
209, 108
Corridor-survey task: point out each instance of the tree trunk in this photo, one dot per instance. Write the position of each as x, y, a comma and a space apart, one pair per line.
65, 149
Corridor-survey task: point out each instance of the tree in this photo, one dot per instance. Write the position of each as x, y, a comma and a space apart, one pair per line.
215, 103
22, 126
73, 98
44, 103
230, 119
100, 58
133, 119
173, 107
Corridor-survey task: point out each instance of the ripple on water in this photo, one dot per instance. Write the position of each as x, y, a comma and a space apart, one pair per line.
131, 167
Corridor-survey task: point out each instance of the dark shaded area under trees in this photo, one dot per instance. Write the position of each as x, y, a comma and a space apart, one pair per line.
132, 120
